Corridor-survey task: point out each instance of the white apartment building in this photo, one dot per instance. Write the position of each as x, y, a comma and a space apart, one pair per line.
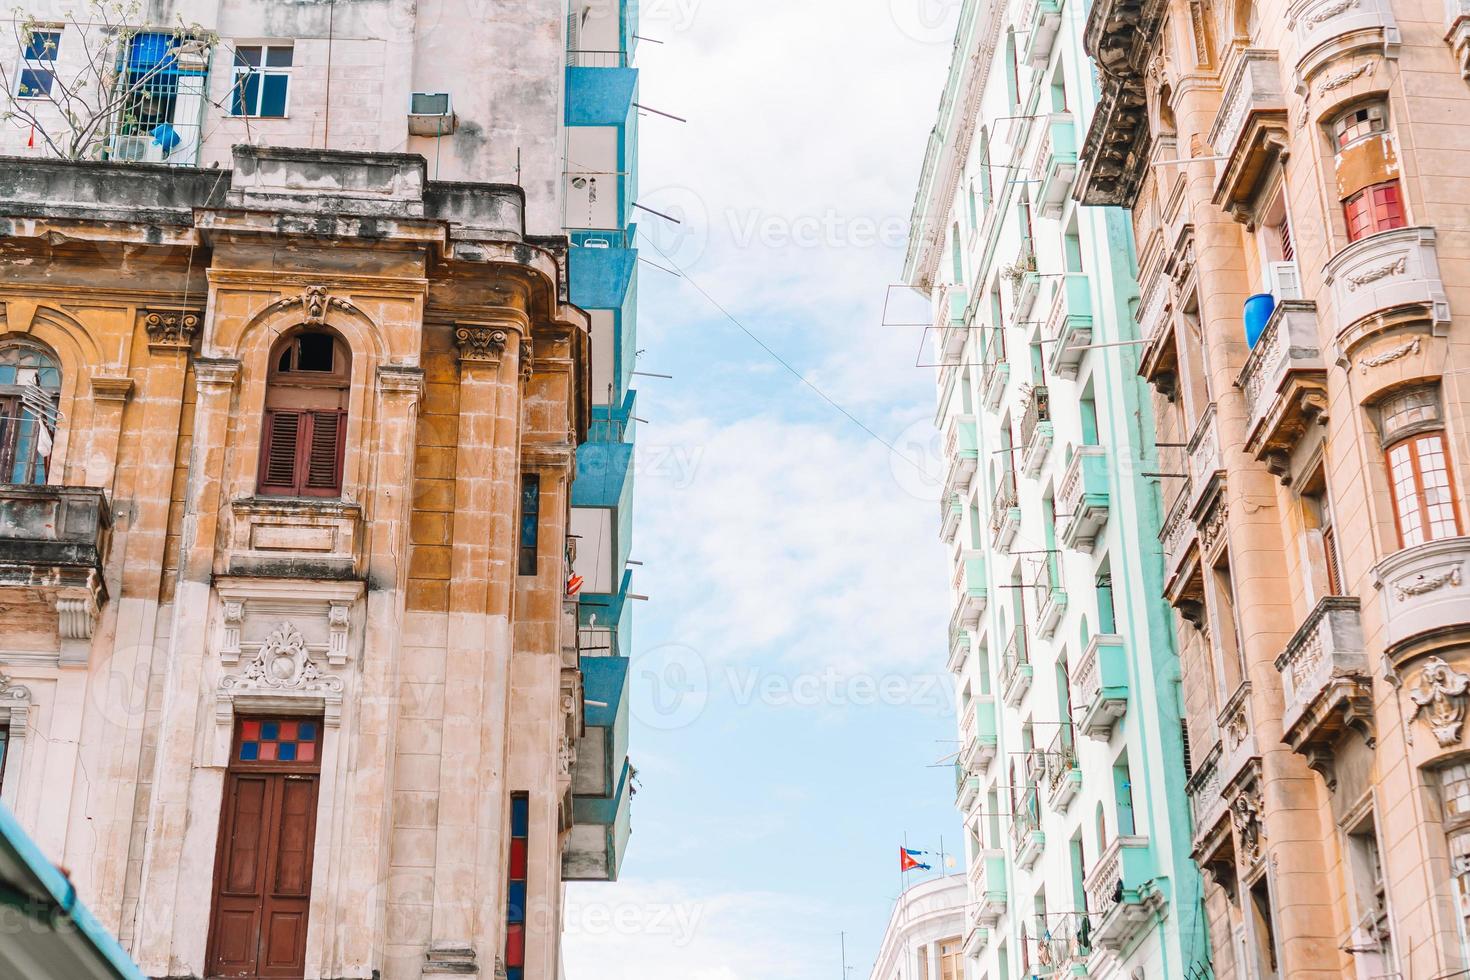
1072, 766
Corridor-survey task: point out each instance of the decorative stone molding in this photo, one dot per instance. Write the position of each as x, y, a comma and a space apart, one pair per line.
171, 330
107, 388
1425, 593
1246, 814
339, 618
289, 538
234, 615
1389, 356
1327, 31
316, 303
480, 343
15, 708
401, 379
282, 670
1384, 273
215, 372
76, 618
528, 366
1440, 697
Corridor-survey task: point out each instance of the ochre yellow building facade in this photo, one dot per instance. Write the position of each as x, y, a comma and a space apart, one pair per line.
281, 659
1297, 168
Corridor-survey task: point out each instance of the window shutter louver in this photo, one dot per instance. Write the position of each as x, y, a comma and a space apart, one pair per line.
323, 461
282, 439
1334, 571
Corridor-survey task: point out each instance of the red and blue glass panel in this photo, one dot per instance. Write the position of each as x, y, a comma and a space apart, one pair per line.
278, 740
515, 904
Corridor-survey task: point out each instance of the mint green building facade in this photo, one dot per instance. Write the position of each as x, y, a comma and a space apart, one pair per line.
1073, 758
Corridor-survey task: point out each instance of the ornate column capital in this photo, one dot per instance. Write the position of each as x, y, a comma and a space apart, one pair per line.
480, 342
171, 330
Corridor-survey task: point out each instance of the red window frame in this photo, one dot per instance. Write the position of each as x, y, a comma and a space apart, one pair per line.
1416, 517
1375, 208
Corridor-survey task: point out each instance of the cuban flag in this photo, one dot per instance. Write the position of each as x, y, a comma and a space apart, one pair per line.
908, 860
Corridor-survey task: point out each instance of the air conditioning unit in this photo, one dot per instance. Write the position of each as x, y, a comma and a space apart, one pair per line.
431, 114
1283, 281
136, 149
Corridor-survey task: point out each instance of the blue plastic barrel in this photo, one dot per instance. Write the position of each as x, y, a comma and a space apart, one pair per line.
1258, 311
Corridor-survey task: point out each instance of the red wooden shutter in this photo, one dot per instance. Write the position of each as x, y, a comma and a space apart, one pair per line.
279, 451
323, 464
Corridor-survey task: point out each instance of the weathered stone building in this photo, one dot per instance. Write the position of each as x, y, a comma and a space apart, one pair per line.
295, 678
1297, 179
277, 661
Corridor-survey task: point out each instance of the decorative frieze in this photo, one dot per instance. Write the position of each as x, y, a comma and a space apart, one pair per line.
1386, 272
1425, 591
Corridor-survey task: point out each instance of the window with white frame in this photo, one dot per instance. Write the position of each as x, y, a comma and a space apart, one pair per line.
38, 64
262, 80
15, 703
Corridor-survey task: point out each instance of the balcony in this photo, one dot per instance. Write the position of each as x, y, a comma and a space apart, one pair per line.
1177, 533
1425, 592
966, 788
1027, 839
1325, 682
1457, 34
1319, 24
1250, 129
1052, 608
1121, 896
1206, 463
1285, 384
1101, 683
969, 588
962, 450
1005, 514
1207, 805
1159, 362
1036, 431
1063, 771
53, 543
1083, 499
1067, 944
977, 937
987, 876
1069, 324
979, 737
1238, 745
950, 323
1025, 282
994, 377
1055, 167
951, 509
1392, 270
1015, 668
959, 644
1041, 20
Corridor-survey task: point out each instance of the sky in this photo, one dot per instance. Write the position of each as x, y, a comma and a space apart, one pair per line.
790, 700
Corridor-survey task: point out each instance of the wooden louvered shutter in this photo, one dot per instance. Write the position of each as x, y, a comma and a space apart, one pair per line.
1334, 571
323, 457
279, 451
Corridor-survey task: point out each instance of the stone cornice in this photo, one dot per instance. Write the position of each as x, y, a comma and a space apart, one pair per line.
950, 141
1119, 36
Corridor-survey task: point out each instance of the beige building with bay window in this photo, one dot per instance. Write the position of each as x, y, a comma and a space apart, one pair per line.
1296, 171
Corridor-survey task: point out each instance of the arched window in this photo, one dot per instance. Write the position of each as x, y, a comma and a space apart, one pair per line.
305, 423
30, 386
1411, 426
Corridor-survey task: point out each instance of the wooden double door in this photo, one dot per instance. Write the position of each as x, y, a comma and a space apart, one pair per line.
262, 877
